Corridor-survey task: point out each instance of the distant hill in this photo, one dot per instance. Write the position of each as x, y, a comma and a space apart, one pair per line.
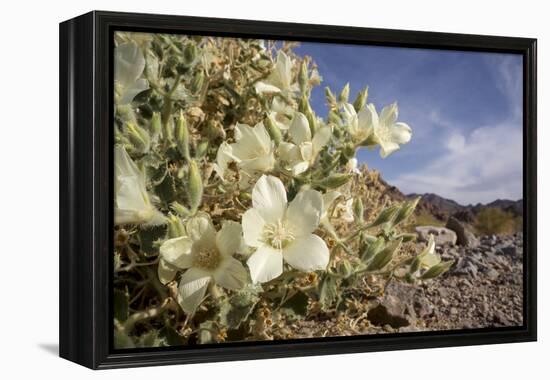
441, 208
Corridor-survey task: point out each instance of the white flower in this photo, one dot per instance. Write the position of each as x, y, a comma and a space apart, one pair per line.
253, 151
386, 131
281, 113
302, 152
283, 231
132, 202
428, 258
280, 79
359, 124
341, 210
207, 256
129, 65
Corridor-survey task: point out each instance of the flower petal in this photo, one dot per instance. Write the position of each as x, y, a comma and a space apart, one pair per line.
389, 114
321, 138
401, 133
307, 253
253, 227
132, 90
177, 252
304, 212
200, 228
299, 129
192, 288
229, 238
269, 198
129, 63
166, 272
265, 264
231, 274
367, 120
387, 148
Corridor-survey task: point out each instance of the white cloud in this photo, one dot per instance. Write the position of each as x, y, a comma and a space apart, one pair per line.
480, 167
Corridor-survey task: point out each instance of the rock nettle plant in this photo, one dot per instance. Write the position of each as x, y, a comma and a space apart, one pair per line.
239, 211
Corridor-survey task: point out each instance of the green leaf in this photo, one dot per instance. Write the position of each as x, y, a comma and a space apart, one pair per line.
238, 308
120, 301
149, 238
170, 337
328, 292
166, 190
295, 307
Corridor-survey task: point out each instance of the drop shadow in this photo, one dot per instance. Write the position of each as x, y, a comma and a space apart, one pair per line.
52, 348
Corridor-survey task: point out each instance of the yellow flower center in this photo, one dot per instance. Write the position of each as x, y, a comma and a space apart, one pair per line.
278, 235
207, 259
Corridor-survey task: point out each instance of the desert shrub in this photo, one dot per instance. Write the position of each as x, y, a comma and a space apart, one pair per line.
496, 221
238, 209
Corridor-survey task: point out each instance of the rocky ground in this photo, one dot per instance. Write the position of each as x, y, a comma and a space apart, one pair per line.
484, 288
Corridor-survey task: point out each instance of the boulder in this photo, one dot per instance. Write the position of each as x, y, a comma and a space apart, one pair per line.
441, 235
464, 237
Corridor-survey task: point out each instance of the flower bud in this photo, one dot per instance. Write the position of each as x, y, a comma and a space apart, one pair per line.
168, 131
437, 270
387, 215
303, 77
331, 99
407, 237
361, 99
383, 258
139, 137
175, 227
358, 209
189, 54
348, 151
194, 186
156, 125
182, 136
344, 95
273, 130
369, 250
345, 268
197, 82
333, 117
335, 180
405, 211
180, 209
201, 149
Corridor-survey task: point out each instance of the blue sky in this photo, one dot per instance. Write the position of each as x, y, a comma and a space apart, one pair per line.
465, 110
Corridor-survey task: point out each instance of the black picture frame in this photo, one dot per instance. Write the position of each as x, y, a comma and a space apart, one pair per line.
86, 188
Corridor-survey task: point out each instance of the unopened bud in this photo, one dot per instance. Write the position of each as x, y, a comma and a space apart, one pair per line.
303, 77
331, 99
201, 149
344, 95
180, 209
182, 136
194, 186
437, 270
197, 82
273, 130
387, 215
335, 180
139, 137
156, 125
407, 237
405, 211
383, 258
369, 250
358, 209
361, 99
175, 227
190, 54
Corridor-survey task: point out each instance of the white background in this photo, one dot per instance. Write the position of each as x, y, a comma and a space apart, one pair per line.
29, 187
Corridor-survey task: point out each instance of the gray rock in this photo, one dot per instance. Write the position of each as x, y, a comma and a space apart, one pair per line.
441, 235
464, 237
